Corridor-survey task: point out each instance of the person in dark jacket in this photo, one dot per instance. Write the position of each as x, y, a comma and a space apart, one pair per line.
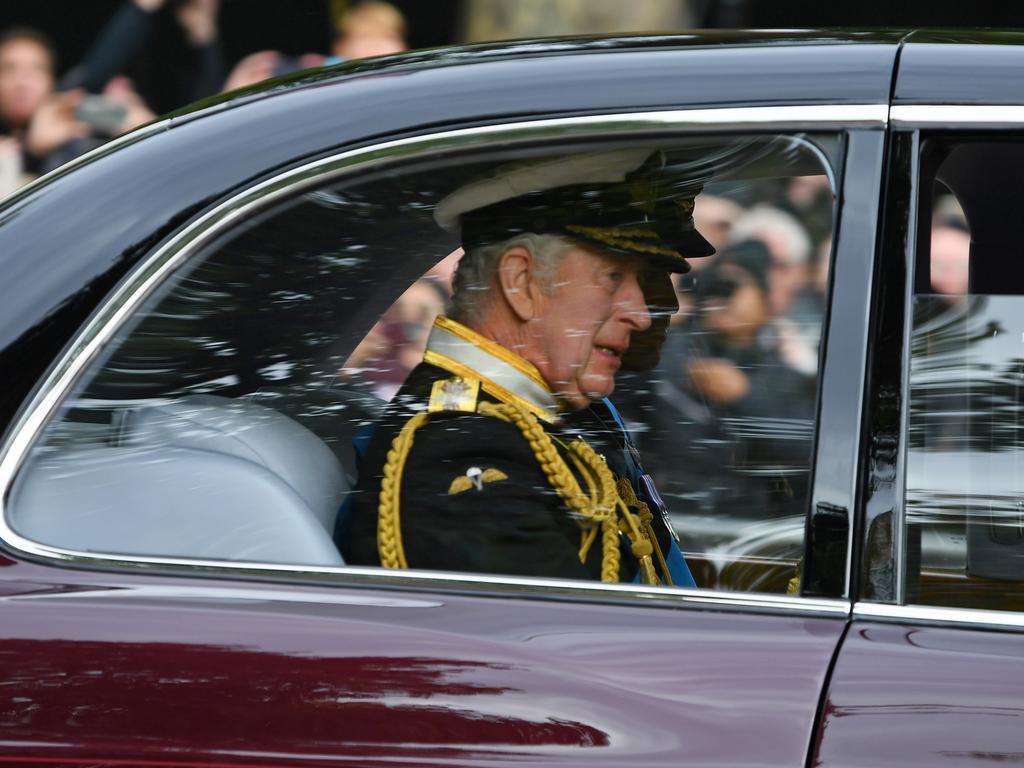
731, 421
492, 457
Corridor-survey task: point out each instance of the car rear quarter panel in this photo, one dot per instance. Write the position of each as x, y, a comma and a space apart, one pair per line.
924, 696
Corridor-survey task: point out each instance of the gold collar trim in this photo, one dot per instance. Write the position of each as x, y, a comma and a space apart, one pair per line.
491, 347
502, 373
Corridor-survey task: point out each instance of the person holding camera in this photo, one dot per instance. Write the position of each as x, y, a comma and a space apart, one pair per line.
729, 408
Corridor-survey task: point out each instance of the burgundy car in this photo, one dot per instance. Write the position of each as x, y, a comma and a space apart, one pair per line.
201, 321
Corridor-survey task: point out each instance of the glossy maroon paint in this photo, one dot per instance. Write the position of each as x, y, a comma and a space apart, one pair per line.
205, 671
924, 696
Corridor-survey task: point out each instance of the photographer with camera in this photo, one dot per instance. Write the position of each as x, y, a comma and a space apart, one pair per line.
725, 398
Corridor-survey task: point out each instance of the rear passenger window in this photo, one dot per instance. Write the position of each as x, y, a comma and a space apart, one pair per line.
230, 419
965, 461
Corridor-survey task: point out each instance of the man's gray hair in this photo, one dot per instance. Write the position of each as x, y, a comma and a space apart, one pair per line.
476, 274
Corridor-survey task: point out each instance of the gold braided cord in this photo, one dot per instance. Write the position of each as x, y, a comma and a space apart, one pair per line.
389, 525
590, 531
629, 496
605, 503
666, 574
601, 509
596, 512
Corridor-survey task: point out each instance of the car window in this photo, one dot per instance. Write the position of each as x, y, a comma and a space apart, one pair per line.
238, 415
965, 462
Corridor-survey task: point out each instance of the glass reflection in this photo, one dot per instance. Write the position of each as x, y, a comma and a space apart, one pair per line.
965, 465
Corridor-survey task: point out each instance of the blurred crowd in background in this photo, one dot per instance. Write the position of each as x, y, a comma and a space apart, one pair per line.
73, 74
54, 107
49, 116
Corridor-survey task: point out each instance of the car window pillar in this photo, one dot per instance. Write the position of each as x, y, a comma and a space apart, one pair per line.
881, 544
841, 397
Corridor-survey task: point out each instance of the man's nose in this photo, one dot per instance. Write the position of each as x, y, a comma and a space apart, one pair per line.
633, 306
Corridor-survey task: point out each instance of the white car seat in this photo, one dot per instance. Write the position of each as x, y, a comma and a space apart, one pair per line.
201, 477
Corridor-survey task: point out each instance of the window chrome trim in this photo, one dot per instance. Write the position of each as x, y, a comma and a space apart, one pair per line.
957, 116
900, 513
435, 583
926, 614
146, 276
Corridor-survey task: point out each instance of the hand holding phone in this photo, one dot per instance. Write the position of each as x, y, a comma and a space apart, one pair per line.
103, 115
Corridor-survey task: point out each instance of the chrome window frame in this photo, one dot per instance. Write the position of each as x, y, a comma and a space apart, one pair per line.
934, 615
153, 269
956, 116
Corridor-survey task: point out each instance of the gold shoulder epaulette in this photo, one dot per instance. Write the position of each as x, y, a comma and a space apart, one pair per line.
454, 394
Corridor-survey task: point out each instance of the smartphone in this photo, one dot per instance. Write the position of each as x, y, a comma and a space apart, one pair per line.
103, 115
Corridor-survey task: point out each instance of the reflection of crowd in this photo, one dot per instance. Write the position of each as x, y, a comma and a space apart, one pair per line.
726, 419
941, 338
394, 346
46, 120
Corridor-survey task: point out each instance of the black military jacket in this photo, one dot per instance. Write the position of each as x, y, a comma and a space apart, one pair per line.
511, 521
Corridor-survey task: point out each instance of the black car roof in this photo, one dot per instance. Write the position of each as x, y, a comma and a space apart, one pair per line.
828, 54
974, 66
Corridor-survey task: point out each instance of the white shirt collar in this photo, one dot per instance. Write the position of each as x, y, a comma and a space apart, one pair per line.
503, 374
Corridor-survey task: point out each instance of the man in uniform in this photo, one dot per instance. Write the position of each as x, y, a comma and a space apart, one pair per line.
496, 455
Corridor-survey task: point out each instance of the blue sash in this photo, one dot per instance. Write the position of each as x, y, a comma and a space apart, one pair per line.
648, 493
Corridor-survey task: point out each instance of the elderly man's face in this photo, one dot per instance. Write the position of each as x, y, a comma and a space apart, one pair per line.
587, 322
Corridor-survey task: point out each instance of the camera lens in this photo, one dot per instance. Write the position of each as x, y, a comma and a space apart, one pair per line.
717, 286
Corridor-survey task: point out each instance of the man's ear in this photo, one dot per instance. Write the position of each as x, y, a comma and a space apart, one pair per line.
518, 283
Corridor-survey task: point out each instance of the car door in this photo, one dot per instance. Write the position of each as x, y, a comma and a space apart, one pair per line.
931, 668
172, 593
